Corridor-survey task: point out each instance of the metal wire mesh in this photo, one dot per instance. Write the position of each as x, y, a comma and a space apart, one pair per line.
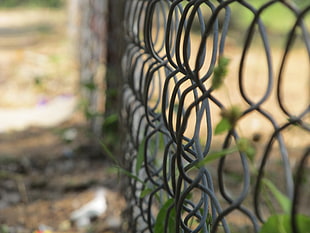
172, 107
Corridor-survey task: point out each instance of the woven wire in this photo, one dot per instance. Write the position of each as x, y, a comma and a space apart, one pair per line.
171, 110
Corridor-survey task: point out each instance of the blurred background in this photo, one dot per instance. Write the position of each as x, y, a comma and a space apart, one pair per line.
50, 163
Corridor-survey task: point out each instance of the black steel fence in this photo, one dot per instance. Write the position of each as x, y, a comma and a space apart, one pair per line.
216, 99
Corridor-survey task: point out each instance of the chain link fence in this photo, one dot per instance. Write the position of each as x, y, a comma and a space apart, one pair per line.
216, 100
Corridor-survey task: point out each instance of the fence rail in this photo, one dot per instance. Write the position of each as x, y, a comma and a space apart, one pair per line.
216, 100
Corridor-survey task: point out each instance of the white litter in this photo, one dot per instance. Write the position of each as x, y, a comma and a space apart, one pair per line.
93, 209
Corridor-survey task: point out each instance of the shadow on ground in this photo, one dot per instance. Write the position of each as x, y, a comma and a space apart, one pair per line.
45, 174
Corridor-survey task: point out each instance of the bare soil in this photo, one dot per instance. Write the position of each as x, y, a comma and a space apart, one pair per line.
45, 178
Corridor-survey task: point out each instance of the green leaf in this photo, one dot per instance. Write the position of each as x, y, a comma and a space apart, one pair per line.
109, 153
232, 114
281, 223
128, 173
159, 226
229, 119
89, 85
283, 200
245, 146
220, 72
223, 126
214, 156
162, 144
145, 192
140, 156
277, 223
303, 223
209, 221
109, 120
89, 113
224, 61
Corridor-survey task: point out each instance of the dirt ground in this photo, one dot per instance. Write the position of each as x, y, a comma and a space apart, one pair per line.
45, 178
45, 174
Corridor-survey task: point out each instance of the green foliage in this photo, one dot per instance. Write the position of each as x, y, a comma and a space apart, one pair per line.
278, 18
4, 228
284, 202
232, 114
209, 221
110, 121
220, 72
145, 192
109, 153
110, 130
223, 126
31, 3
152, 145
140, 156
229, 119
245, 146
276, 222
161, 218
126, 173
281, 223
89, 85
214, 156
